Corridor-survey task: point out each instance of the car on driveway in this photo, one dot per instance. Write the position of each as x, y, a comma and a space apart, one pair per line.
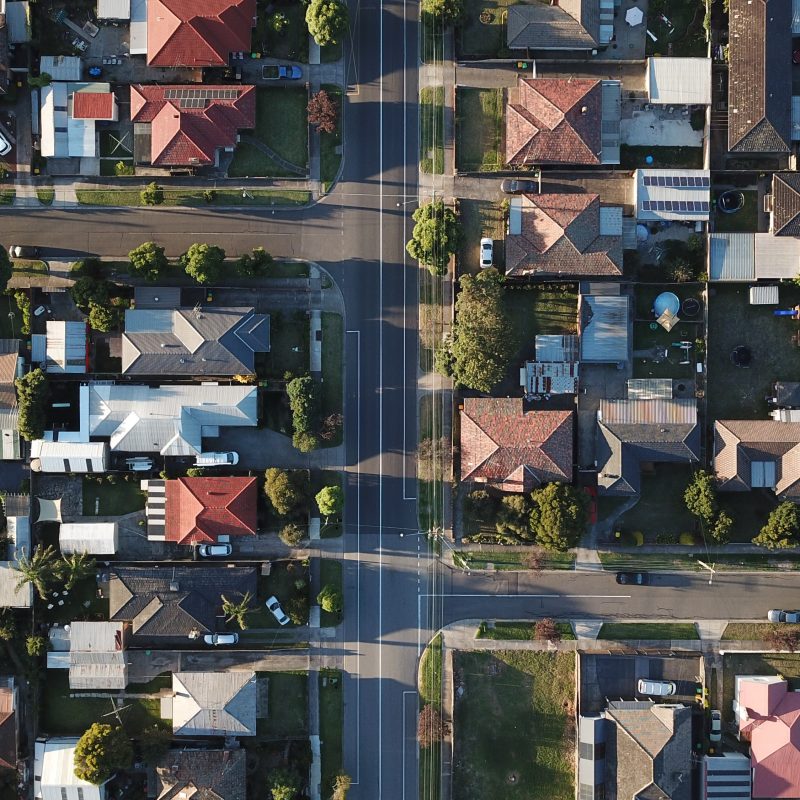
655, 688
280, 72
487, 252
519, 186
633, 578
273, 604
220, 639
776, 615
715, 734
214, 550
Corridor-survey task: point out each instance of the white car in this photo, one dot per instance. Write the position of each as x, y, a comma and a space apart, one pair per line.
656, 688
219, 639
487, 252
217, 459
214, 550
275, 607
776, 615
5, 146
715, 734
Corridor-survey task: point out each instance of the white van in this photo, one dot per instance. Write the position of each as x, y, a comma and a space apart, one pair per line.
217, 459
655, 688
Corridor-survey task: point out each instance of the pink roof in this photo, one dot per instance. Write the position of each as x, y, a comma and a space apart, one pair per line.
93, 105
773, 727
182, 135
198, 33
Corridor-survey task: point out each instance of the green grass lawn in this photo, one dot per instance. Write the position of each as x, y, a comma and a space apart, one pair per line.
430, 673
287, 580
479, 218
193, 198
733, 664
476, 38
754, 631
332, 368
633, 156
330, 144
431, 125
330, 574
647, 630
733, 392
431, 318
66, 712
46, 195
7, 195
432, 34
519, 631
748, 510
430, 503
288, 705
24, 267
685, 37
688, 562
288, 330
75, 606
479, 129
290, 43
512, 560
745, 220
115, 499
513, 726
331, 722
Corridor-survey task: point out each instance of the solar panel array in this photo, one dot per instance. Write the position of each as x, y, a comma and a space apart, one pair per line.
679, 206
200, 94
678, 181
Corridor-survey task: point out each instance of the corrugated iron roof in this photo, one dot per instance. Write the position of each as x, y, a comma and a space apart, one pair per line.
732, 257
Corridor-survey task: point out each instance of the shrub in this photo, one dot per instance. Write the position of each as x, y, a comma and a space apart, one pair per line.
23, 301
152, 195
430, 728
121, 169
283, 490
547, 630
322, 112
330, 600
291, 535
32, 394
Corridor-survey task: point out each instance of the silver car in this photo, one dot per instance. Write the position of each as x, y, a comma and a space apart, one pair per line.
715, 734
656, 688
776, 615
220, 639
487, 252
273, 604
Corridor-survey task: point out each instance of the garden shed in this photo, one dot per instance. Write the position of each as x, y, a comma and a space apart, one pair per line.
95, 538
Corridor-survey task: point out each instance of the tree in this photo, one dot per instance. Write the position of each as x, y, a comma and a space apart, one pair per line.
23, 301
74, 568
559, 516
783, 637
32, 393
36, 646
341, 786
238, 610
102, 318
203, 262
331, 426
435, 236
291, 535
447, 12
40, 569
303, 393
513, 516
255, 265
721, 527
480, 348
40, 81
8, 627
326, 20
304, 441
282, 491
701, 498
195, 472
322, 112
6, 268
148, 261
154, 742
430, 728
100, 752
330, 599
781, 529
330, 501
87, 290
282, 784
152, 195
546, 630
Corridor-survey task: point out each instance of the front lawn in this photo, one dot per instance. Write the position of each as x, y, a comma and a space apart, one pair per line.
332, 368
28, 268
745, 220
331, 722
684, 37
748, 510
288, 581
479, 129
431, 127
319, 479
648, 630
289, 335
287, 707
479, 218
330, 144
514, 727
107, 499
519, 631
195, 198
484, 39
754, 631
634, 157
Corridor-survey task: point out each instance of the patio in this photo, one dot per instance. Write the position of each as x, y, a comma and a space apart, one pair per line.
643, 124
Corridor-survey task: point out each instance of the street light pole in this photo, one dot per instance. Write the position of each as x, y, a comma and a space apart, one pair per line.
710, 568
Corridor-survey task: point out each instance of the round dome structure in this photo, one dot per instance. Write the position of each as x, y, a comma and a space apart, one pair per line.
666, 301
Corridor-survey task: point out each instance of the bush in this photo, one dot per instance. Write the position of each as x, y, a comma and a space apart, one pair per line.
102, 318
87, 290
479, 505
513, 516
330, 600
100, 752
430, 728
23, 301
305, 442
546, 629
283, 490
195, 472
6, 268
446, 12
152, 195
303, 395
781, 529
256, 265
559, 516
297, 609
291, 535
121, 169
32, 395
35, 646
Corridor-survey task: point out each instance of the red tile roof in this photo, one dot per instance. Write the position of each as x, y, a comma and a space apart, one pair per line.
511, 448
555, 121
93, 105
198, 33
181, 136
201, 509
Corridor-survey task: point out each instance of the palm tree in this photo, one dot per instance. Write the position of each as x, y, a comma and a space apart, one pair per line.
74, 568
238, 611
38, 569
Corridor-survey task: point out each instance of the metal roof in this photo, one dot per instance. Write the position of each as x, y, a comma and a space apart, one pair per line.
556, 347
54, 773
764, 295
726, 776
681, 411
679, 81
68, 456
61, 68
66, 346
611, 93
214, 703
113, 9
604, 328
18, 19
776, 256
649, 388
611, 220
732, 257
88, 537
10, 595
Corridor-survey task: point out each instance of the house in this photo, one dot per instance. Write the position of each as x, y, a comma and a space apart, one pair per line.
63, 349
512, 448
563, 235
193, 341
201, 510
633, 432
54, 772
726, 776
680, 195
754, 454
11, 448
567, 25
768, 716
744, 257
679, 81
9, 723
94, 653
202, 33
67, 118
164, 604
648, 750
170, 420
759, 82
563, 121
188, 125
209, 774
784, 204
603, 326
68, 456
89, 535
212, 704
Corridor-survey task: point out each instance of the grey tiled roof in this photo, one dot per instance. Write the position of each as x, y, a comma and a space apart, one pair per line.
214, 703
570, 25
786, 204
202, 775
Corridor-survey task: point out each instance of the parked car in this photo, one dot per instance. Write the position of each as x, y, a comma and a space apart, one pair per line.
219, 639
715, 734
23, 251
633, 578
776, 615
487, 252
655, 688
280, 72
275, 607
519, 186
217, 459
214, 550
5, 146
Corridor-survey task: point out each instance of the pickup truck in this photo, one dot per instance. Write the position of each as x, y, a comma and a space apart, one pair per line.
276, 72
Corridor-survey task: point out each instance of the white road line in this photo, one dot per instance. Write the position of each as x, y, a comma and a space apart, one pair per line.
560, 596
404, 739
380, 415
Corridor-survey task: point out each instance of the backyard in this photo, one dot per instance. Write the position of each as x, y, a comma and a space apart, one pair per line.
479, 218
682, 34
287, 705
487, 39
479, 129
774, 344
513, 726
107, 499
289, 334
288, 581
745, 220
431, 129
634, 156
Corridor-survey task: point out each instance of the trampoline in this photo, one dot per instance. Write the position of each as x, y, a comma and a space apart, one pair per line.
690, 307
730, 202
666, 302
741, 356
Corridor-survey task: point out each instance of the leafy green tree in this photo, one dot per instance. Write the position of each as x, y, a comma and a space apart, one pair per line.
721, 528
154, 742
330, 501
87, 290
75, 568
559, 516
283, 491
513, 516
701, 498
435, 236
100, 752
291, 535
203, 262
255, 265
303, 395
152, 195
327, 21
35, 646
447, 12
6, 268
330, 599
40, 569
32, 393
781, 529
40, 81
102, 318
481, 346
148, 261
238, 609
304, 441
23, 301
